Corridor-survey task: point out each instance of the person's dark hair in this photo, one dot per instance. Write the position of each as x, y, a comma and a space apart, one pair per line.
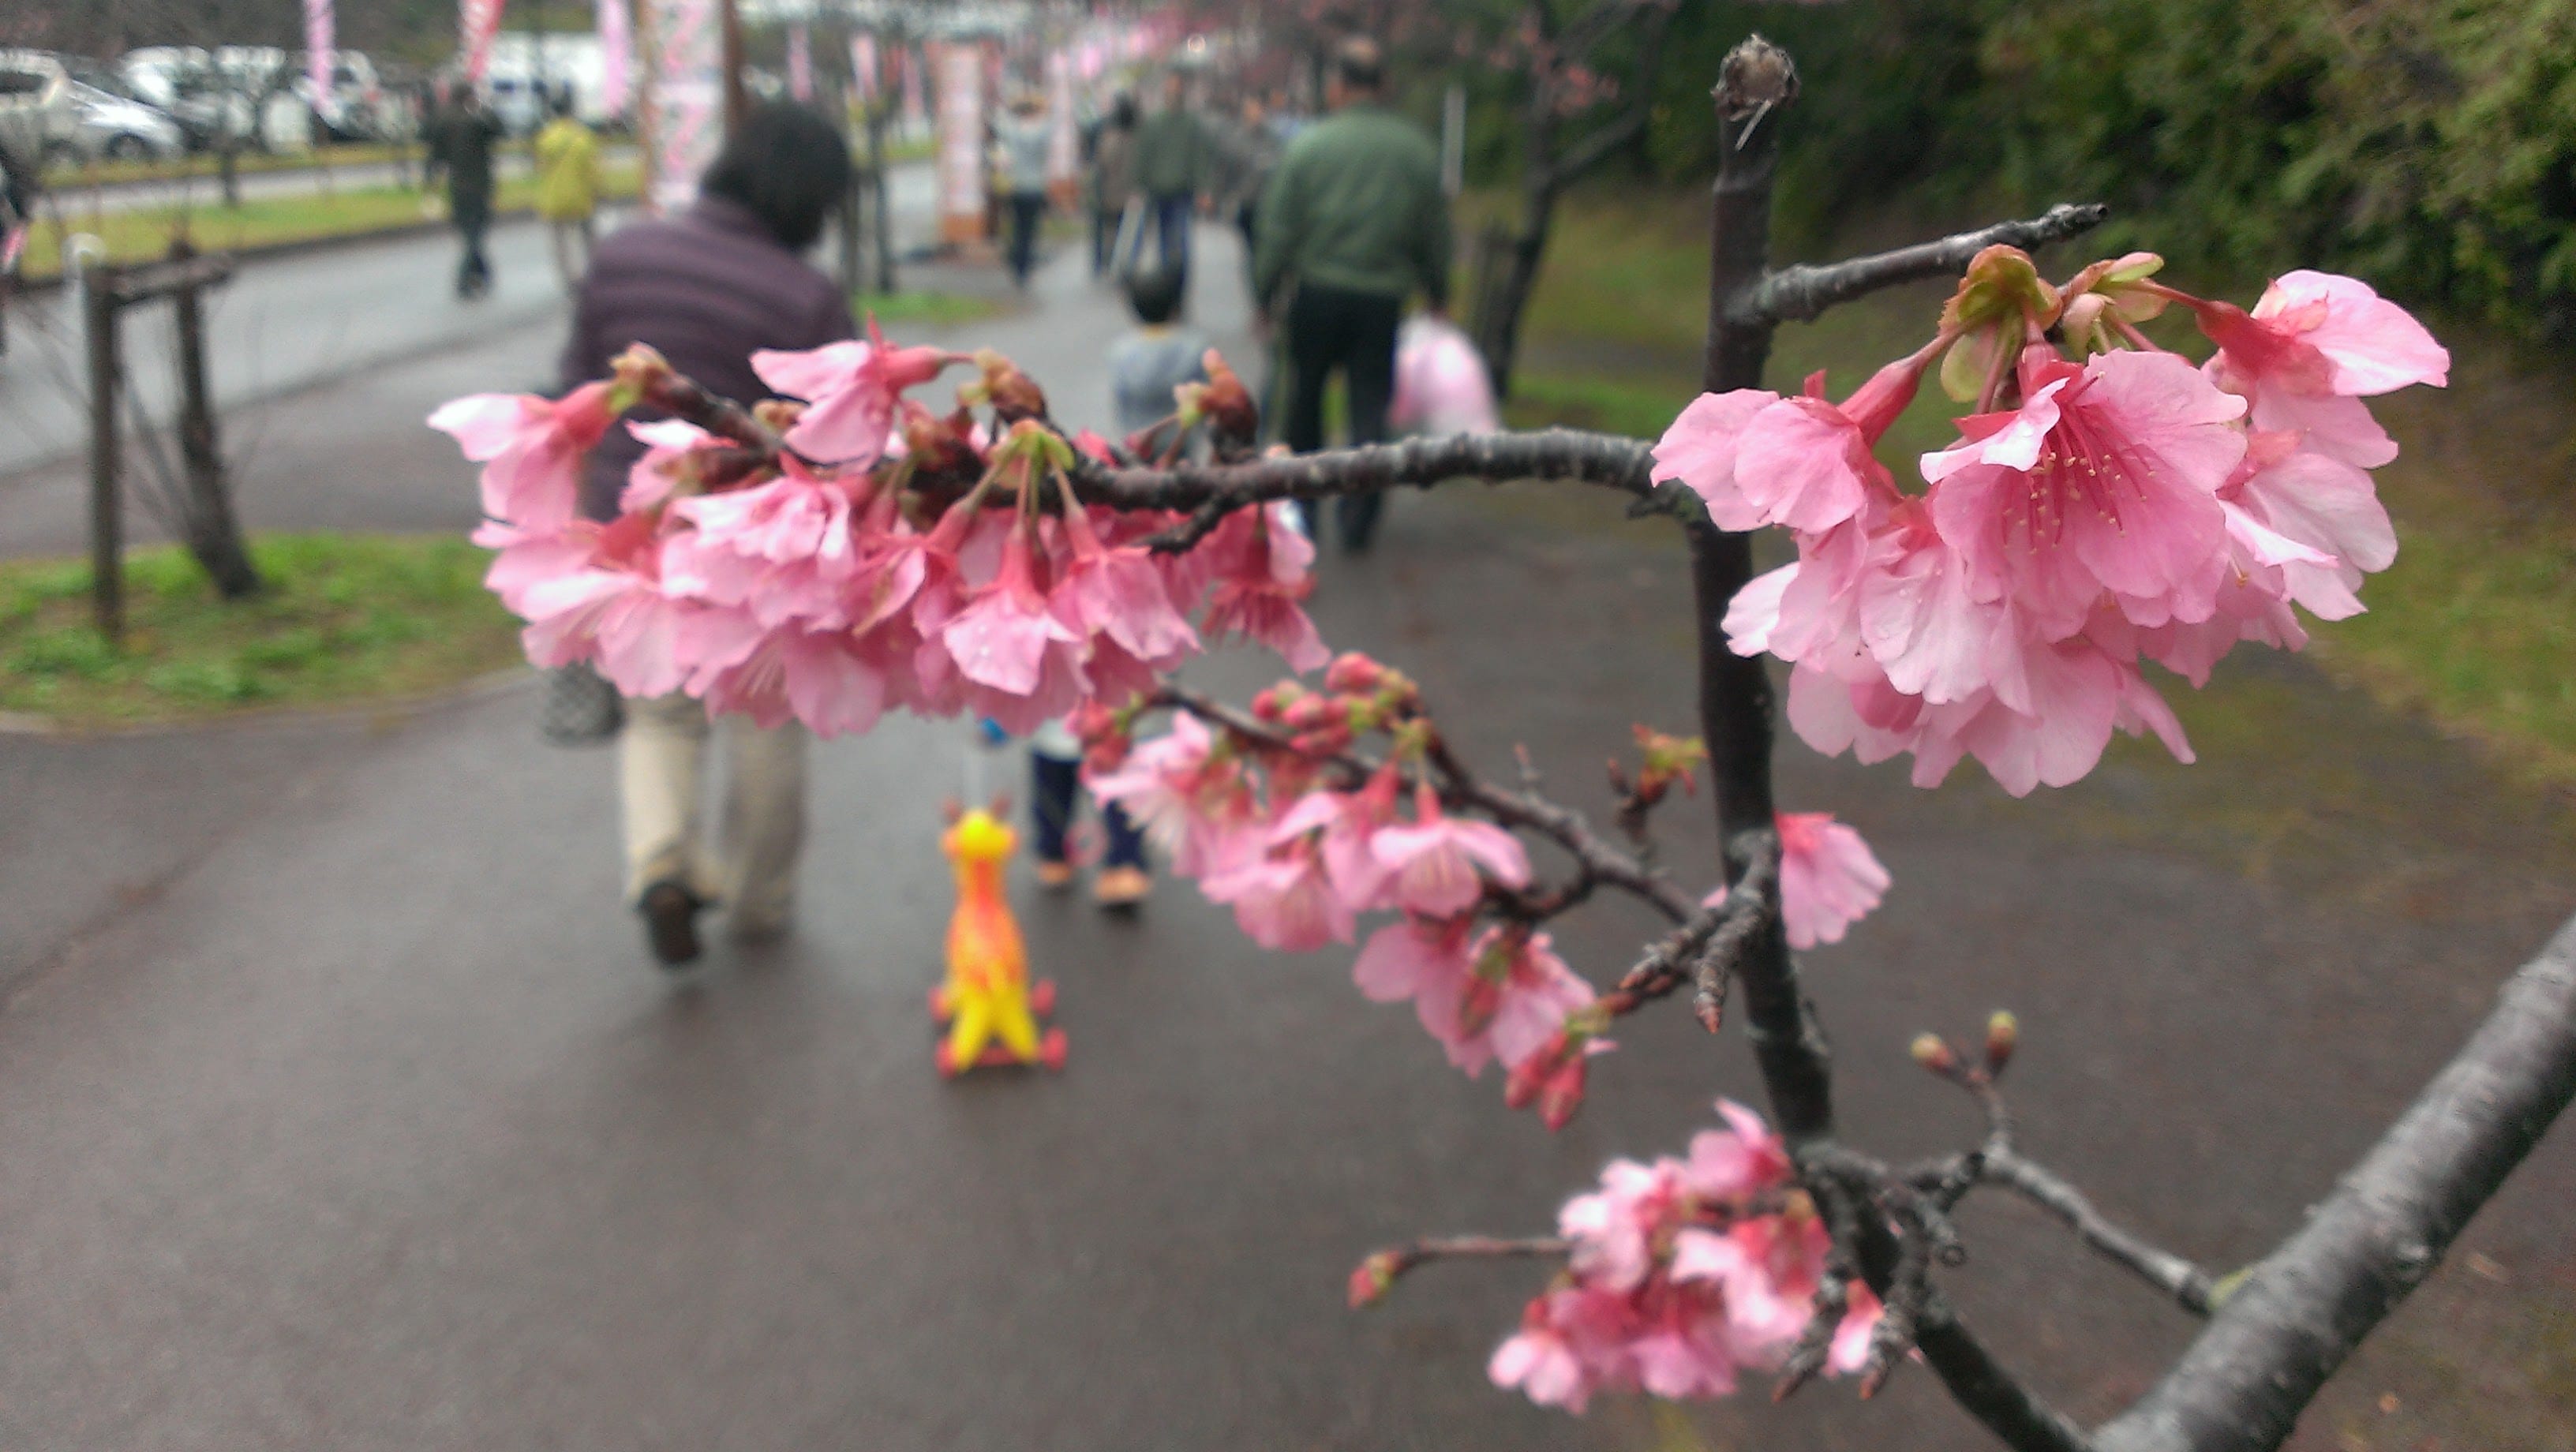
562, 103
1122, 112
1154, 293
788, 166
1360, 64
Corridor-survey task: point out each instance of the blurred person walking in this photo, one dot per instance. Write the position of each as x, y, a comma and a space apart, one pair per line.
708, 288
1352, 224
1113, 179
1174, 161
460, 147
568, 190
1023, 134
1247, 156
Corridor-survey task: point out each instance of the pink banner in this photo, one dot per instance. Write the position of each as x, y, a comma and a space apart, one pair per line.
478, 22
616, 55
1064, 132
800, 61
863, 67
913, 109
318, 58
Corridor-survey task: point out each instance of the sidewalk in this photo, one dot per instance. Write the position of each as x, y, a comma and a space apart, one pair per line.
344, 1112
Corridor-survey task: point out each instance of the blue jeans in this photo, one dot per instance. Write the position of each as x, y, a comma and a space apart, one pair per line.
1172, 232
1053, 804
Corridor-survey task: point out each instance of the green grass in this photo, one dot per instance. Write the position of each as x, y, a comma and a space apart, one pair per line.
2475, 626
344, 618
67, 176
145, 233
921, 309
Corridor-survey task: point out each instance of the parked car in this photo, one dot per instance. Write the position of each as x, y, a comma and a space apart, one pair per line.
36, 114
361, 108
109, 127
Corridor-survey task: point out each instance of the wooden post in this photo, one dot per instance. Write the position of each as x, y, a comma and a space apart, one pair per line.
737, 99
214, 535
106, 521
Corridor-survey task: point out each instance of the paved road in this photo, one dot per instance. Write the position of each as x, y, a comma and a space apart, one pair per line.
288, 323
341, 1113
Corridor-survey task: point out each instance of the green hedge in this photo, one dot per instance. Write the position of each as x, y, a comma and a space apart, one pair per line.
2429, 145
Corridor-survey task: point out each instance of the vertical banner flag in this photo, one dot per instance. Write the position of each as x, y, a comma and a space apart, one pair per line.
1064, 138
319, 58
478, 21
800, 60
914, 113
687, 97
616, 53
863, 67
961, 142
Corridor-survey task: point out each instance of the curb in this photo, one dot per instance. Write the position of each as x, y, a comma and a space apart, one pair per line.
381, 710
302, 246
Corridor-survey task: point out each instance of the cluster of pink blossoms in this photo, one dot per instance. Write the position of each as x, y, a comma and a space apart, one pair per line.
1681, 1273
2097, 511
1302, 851
892, 558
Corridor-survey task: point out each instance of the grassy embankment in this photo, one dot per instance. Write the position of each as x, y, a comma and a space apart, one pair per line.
145, 233
2475, 626
344, 618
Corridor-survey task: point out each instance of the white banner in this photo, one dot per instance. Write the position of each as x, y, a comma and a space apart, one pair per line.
961, 142
1064, 134
687, 98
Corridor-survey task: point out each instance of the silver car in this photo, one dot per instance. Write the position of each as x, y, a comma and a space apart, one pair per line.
109, 127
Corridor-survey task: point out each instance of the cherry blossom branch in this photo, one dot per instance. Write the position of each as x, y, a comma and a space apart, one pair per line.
1596, 861
2272, 1343
1797, 294
2000, 1161
681, 397
1377, 1274
1735, 711
1606, 460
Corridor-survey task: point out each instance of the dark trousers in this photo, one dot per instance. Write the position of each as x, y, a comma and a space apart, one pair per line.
473, 218
1051, 809
1027, 208
1172, 232
1330, 328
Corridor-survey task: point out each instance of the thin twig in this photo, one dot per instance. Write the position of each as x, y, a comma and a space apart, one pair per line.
1796, 294
2188, 1284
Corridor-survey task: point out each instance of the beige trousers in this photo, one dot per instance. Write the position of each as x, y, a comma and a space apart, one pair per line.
661, 765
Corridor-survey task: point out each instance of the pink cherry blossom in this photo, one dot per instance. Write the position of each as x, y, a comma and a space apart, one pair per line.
1432, 866
1283, 900
1425, 960
1346, 822
2105, 479
1190, 802
1742, 1159
851, 392
1019, 658
654, 475
530, 449
1120, 591
1261, 577
784, 550
818, 677
1829, 879
1540, 1361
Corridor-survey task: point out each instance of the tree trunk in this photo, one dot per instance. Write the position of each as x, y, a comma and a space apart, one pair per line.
214, 535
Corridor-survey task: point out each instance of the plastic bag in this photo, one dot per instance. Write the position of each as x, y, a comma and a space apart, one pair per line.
1441, 386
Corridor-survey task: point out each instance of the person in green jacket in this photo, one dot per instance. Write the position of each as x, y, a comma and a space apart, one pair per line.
1353, 222
568, 190
1173, 161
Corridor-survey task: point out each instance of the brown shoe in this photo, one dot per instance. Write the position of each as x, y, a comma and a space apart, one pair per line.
1054, 876
1121, 888
671, 923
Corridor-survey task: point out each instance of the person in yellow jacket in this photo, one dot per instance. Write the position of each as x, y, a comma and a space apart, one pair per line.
568, 190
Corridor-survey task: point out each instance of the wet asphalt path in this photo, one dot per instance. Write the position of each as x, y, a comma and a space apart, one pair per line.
340, 1111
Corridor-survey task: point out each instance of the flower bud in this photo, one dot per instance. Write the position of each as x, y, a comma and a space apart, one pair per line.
1308, 712
1933, 1054
1227, 404
1012, 393
2003, 1035
1352, 673
1373, 1278
1270, 702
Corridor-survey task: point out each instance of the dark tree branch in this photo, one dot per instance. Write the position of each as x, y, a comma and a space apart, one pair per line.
1796, 294
2273, 1342
1607, 460
1735, 711
2186, 1283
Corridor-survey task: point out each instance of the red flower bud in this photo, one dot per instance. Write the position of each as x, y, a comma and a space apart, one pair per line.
1935, 1055
1227, 404
2003, 1035
1373, 1278
1352, 673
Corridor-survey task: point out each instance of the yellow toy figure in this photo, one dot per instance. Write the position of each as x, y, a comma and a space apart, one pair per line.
987, 1002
